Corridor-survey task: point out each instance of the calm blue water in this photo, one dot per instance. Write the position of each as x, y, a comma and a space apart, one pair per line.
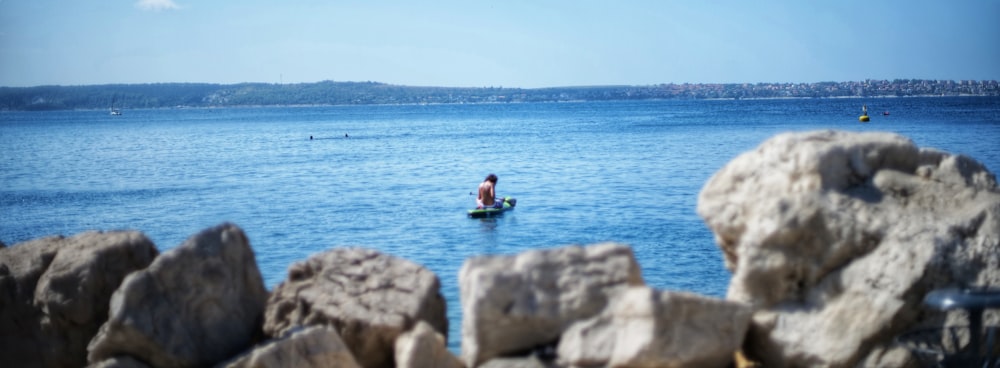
582, 173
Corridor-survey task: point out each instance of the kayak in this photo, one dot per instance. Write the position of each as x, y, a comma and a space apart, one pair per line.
508, 204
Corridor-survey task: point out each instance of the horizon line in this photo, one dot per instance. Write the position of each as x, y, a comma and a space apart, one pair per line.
498, 86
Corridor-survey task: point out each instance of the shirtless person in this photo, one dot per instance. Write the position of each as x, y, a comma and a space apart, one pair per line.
487, 193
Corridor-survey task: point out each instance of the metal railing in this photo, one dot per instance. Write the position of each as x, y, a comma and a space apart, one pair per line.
974, 345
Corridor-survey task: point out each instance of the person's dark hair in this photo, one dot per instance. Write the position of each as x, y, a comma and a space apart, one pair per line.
492, 178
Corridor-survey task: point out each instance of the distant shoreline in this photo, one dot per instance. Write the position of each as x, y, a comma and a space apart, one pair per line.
329, 93
512, 103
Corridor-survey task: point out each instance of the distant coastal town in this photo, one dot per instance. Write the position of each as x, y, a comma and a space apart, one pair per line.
199, 95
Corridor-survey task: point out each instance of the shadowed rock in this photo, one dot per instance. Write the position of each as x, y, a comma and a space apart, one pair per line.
55, 291
836, 237
511, 304
196, 305
370, 298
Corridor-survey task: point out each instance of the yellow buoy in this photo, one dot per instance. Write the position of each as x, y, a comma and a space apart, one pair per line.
863, 118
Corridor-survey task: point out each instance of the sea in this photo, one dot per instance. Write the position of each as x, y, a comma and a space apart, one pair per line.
400, 178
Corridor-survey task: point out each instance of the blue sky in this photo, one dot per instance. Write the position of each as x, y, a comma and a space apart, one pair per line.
509, 43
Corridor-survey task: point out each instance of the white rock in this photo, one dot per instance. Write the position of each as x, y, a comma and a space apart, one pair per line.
423, 347
836, 237
515, 303
649, 328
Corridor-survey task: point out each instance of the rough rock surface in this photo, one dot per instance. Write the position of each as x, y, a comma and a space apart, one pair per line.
518, 362
196, 305
316, 346
836, 237
55, 291
369, 297
649, 328
121, 361
515, 303
422, 347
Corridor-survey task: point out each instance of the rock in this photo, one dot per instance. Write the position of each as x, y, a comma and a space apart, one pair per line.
517, 362
121, 361
55, 291
836, 237
196, 305
423, 347
369, 297
316, 346
512, 304
649, 328
591, 342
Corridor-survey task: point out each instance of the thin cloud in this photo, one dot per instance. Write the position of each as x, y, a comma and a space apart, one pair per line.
156, 5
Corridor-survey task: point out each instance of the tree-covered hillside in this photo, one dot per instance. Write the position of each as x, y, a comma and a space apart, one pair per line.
139, 96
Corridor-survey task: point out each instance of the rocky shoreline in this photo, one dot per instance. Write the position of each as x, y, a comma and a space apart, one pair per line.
833, 240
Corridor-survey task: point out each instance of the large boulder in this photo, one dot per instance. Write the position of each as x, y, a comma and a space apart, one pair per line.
512, 304
649, 328
314, 346
836, 237
55, 292
196, 305
370, 298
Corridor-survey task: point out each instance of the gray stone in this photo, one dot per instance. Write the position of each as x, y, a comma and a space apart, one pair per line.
196, 305
121, 361
315, 346
649, 328
518, 362
836, 237
511, 304
590, 342
369, 297
55, 292
423, 347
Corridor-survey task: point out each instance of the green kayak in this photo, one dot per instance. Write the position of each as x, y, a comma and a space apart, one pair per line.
508, 204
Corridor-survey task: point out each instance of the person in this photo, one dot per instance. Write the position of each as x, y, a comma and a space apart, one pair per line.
864, 110
487, 193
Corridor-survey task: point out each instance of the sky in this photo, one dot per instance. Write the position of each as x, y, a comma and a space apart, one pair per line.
490, 43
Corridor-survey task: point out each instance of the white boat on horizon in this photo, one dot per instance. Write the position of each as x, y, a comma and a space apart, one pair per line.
114, 111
